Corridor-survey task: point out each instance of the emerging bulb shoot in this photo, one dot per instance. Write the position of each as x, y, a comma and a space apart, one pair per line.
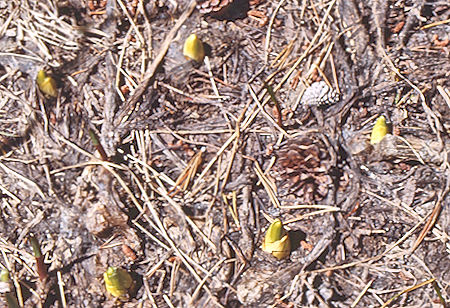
277, 241
46, 84
4, 275
117, 281
379, 130
193, 48
6, 289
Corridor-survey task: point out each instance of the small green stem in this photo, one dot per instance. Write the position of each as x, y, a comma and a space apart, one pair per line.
9, 296
98, 145
438, 292
277, 105
36, 247
40, 265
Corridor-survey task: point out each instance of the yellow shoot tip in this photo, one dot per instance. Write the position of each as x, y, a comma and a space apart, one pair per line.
194, 49
379, 130
276, 241
46, 84
4, 275
117, 281
275, 231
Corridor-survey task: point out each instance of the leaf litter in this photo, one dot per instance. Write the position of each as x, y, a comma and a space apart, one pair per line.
194, 161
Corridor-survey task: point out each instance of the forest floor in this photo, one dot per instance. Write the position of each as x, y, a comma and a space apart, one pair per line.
173, 170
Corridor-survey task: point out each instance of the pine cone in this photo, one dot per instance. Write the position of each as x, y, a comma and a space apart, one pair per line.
208, 6
303, 167
319, 94
224, 9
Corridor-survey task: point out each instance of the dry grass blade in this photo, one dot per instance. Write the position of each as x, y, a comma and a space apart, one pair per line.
233, 137
360, 295
261, 108
8, 193
408, 290
301, 217
207, 276
437, 231
29, 182
419, 158
445, 94
186, 177
434, 24
61, 289
281, 58
233, 207
431, 220
268, 185
269, 31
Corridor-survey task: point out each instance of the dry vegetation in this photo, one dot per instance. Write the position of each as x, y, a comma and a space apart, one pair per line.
192, 162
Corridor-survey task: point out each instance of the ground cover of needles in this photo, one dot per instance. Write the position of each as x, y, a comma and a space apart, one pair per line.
173, 170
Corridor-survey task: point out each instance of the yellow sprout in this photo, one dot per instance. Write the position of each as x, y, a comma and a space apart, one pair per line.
4, 275
46, 84
277, 241
379, 130
117, 281
6, 289
193, 48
